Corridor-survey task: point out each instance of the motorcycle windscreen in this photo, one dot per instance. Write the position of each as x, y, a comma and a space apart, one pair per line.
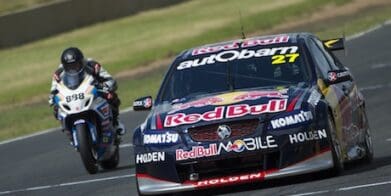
73, 80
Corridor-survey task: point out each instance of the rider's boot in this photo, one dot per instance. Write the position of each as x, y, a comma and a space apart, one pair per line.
119, 127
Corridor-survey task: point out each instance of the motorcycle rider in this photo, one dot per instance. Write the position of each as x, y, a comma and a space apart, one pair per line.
73, 62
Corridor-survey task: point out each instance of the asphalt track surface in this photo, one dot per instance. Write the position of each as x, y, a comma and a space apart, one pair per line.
47, 165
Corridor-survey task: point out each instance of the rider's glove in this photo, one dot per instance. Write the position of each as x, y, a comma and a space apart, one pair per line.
52, 95
104, 87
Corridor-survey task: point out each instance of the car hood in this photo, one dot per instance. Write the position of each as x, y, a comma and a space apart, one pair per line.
228, 106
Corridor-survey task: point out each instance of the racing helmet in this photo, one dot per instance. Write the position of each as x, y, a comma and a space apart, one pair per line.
72, 60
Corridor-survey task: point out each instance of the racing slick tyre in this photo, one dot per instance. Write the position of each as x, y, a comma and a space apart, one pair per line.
113, 161
368, 146
335, 148
87, 152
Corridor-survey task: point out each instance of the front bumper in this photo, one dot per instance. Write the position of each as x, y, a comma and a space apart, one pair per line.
151, 185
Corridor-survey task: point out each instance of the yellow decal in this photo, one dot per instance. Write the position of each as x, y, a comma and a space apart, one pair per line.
323, 87
330, 43
283, 58
229, 98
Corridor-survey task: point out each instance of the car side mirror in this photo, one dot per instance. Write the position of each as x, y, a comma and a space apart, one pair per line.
337, 76
142, 104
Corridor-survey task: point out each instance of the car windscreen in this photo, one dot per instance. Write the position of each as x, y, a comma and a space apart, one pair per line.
235, 69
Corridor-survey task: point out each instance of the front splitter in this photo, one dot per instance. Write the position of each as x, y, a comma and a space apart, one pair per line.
149, 185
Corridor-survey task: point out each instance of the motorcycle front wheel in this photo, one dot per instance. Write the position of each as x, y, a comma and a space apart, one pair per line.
86, 149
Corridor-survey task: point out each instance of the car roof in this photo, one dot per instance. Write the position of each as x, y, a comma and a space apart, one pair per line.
293, 37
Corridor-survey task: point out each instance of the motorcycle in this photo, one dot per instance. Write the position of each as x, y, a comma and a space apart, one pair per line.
88, 116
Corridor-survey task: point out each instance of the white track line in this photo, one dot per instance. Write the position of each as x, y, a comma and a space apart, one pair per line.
380, 65
360, 34
46, 131
311, 193
344, 189
376, 87
66, 184
364, 186
126, 145
28, 136
349, 188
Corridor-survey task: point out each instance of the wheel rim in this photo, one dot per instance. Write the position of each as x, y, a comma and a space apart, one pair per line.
368, 142
94, 153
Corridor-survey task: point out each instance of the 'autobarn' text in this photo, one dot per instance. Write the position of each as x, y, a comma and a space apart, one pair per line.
232, 55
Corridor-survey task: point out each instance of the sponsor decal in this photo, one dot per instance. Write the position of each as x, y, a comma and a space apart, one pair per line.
238, 146
150, 157
254, 95
333, 76
147, 103
314, 98
231, 179
231, 55
161, 138
307, 136
196, 152
198, 103
293, 119
282, 59
232, 111
248, 144
244, 44
228, 98
330, 43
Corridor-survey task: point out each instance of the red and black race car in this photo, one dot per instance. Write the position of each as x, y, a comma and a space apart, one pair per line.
250, 110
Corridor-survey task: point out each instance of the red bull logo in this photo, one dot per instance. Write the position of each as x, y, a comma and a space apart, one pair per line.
232, 111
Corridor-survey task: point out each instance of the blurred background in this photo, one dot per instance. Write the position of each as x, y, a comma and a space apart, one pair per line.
135, 40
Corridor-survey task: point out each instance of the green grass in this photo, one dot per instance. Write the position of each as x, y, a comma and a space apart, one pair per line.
7, 6
132, 42
353, 24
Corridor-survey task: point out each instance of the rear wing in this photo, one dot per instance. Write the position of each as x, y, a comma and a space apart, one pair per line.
335, 44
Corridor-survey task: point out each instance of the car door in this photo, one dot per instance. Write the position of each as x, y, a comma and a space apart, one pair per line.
338, 93
350, 109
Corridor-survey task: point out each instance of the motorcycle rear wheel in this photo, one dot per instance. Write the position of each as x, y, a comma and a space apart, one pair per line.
113, 161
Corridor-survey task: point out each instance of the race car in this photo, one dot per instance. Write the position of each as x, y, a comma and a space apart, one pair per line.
250, 110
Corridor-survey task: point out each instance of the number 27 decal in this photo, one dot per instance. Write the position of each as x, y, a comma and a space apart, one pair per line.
283, 58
